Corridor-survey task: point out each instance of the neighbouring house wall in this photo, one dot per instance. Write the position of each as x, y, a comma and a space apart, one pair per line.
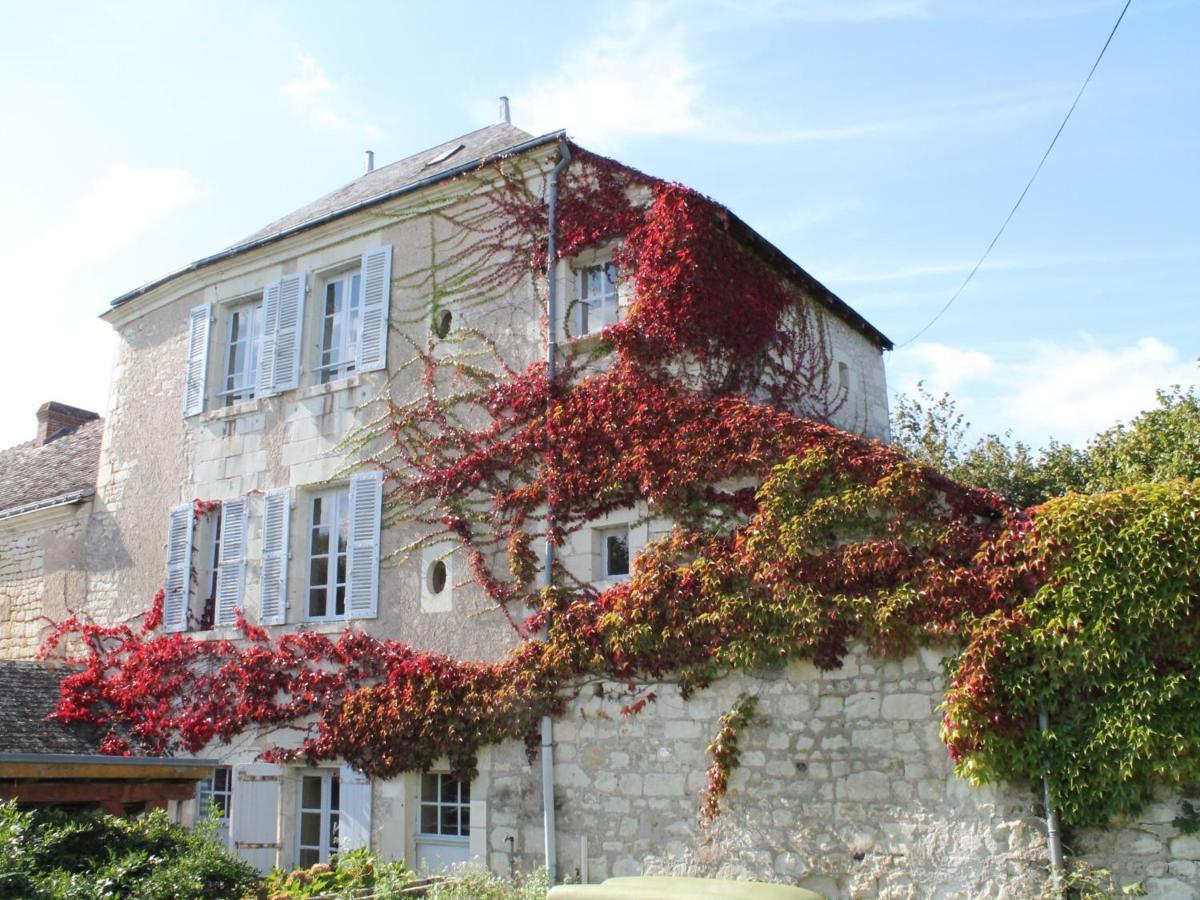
41, 574
843, 787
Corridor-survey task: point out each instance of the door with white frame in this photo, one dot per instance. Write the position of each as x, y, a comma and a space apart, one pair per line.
443, 837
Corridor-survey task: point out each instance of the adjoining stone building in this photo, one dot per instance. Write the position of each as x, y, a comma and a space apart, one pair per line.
46, 490
235, 381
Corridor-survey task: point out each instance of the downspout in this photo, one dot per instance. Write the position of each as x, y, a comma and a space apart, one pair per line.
1053, 838
548, 826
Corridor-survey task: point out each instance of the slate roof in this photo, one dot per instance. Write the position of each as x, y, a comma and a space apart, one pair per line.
29, 693
404, 173
31, 474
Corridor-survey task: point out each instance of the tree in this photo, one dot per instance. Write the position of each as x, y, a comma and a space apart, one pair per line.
1157, 445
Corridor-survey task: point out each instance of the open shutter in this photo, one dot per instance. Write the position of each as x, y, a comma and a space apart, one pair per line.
196, 373
376, 296
273, 605
178, 587
354, 810
266, 358
289, 327
231, 567
362, 579
254, 818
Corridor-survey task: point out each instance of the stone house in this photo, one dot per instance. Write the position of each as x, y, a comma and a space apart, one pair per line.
46, 490
236, 380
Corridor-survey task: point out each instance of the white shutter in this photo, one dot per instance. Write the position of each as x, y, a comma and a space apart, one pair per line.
254, 818
196, 373
376, 294
362, 579
178, 587
354, 810
273, 605
289, 329
266, 356
231, 568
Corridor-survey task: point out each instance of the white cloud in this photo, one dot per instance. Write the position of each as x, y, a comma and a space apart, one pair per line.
312, 97
58, 349
635, 80
1042, 389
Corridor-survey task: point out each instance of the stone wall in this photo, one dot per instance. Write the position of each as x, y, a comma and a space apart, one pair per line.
844, 787
41, 574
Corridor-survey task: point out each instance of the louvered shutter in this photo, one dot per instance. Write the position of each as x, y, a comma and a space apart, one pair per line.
273, 605
196, 373
376, 296
354, 810
266, 358
362, 579
289, 329
231, 567
254, 817
178, 587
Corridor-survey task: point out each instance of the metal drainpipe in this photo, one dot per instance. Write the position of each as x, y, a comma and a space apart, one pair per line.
548, 826
1053, 838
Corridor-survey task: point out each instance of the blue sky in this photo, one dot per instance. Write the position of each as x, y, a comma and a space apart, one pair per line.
878, 142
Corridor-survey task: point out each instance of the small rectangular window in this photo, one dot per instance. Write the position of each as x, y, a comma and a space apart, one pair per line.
214, 796
445, 806
318, 818
341, 320
203, 601
243, 347
598, 300
614, 552
329, 539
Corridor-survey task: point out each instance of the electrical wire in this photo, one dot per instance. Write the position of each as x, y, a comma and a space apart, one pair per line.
1012, 212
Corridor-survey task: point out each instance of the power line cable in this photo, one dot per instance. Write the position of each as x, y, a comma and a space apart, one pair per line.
1012, 212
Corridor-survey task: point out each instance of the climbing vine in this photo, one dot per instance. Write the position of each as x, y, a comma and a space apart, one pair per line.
707, 404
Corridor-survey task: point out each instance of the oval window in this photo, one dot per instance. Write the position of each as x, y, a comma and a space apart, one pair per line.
437, 577
441, 323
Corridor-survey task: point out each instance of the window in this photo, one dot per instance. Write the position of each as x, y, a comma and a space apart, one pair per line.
614, 552
597, 300
319, 814
215, 797
204, 614
445, 806
341, 319
329, 540
242, 351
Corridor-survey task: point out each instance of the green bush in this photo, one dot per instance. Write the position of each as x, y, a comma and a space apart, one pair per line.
477, 883
354, 873
58, 855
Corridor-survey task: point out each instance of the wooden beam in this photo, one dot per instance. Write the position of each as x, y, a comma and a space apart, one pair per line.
105, 793
116, 771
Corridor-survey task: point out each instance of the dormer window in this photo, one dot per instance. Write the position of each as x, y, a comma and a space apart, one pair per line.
340, 323
597, 298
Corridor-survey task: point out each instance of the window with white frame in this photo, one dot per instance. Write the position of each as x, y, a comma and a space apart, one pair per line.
243, 349
597, 299
214, 796
614, 552
341, 319
204, 605
328, 547
445, 806
319, 813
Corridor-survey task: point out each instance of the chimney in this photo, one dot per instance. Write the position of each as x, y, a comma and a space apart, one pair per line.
504, 114
369, 163
58, 419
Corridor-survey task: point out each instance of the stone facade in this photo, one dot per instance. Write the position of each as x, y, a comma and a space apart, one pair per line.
41, 574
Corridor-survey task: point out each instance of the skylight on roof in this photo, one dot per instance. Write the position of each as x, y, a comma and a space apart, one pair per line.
443, 156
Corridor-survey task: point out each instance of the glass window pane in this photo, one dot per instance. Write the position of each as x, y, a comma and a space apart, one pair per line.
309, 858
617, 553
335, 793
310, 792
464, 821
429, 788
310, 829
333, 830
317, 600
429, 819
449, 789
465, 794
318, 571
449, 820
